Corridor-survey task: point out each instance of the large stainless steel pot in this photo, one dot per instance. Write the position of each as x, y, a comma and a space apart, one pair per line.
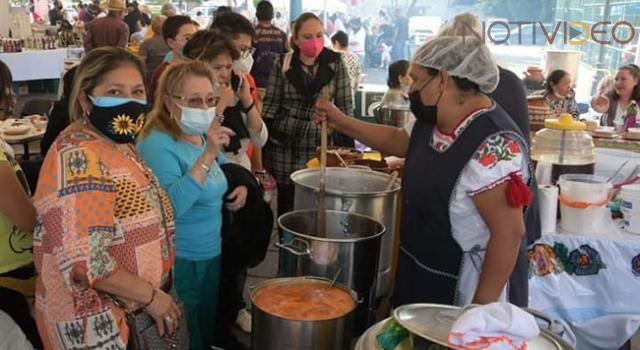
359, 191
395, 115
271, 332
349, 249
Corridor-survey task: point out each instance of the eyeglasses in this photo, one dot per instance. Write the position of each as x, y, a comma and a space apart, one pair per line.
197, 102
247, 52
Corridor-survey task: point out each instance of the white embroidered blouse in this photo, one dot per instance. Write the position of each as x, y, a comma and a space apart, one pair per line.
493, 163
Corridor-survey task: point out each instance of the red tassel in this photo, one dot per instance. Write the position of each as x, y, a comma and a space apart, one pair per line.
518, 193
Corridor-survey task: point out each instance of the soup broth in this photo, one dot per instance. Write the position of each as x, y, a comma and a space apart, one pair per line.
307, 301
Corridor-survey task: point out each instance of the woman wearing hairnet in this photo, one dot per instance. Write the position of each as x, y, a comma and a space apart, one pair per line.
464, 189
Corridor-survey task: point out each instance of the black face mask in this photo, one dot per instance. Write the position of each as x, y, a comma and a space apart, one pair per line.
424, 114
120, 123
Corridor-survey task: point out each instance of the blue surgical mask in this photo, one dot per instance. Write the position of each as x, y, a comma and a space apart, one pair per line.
196, 121
113, 101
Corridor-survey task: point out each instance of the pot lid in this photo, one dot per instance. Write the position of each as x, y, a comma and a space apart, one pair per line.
565, 122
433, 322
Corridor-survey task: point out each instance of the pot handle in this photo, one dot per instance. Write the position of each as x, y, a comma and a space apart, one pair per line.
539, 315
293, 249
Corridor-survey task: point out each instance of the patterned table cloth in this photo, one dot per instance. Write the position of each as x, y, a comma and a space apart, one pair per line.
592, 282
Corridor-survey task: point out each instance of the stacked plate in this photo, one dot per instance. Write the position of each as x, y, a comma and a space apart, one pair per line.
604, 132
633, 134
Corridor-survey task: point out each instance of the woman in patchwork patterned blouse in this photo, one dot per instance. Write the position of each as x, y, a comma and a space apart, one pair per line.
297, 80
106, 235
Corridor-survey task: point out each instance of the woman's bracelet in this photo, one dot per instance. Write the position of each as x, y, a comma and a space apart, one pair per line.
153, 296
248, 109
205, 167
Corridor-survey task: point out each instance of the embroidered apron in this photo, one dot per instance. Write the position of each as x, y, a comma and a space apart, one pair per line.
430, 259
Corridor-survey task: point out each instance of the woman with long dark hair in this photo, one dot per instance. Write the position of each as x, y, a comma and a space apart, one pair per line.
614, 102
559, 94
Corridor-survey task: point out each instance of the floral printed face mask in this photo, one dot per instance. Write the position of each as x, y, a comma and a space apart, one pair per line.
119, 119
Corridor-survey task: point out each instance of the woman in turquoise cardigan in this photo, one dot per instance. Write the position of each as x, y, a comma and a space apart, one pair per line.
182, 143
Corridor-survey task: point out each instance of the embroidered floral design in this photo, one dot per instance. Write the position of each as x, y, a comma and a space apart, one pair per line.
584, 261
635, 265
542, 260
123, 125
580, 262
496, 149
140, 123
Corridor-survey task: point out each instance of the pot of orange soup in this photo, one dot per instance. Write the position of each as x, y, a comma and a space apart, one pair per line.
348, 251
301, 313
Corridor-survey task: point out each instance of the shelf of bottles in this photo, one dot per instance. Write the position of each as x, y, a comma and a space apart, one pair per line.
48, 42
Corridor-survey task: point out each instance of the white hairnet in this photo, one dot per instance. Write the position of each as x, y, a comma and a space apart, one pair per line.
462, 57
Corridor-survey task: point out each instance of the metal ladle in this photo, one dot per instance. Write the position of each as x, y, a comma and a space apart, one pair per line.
333, 281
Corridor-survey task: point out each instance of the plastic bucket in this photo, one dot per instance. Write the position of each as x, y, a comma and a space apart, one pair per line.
631, 207
583, 202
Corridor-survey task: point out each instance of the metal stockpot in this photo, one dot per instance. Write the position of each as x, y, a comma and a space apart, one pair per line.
271, 332
359, 191
349, 250
395, 115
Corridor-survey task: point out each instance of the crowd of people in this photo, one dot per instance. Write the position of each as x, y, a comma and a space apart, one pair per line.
376, 40
147, 210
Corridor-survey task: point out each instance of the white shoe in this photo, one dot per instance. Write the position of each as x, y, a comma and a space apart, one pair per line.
244, 320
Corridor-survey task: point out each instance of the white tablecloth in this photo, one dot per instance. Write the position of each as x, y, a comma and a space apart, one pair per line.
592, 282
35, 65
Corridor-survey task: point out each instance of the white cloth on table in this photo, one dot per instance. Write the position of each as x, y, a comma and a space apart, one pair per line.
35, 65
498, 325
590, 282
606, 332
497, 158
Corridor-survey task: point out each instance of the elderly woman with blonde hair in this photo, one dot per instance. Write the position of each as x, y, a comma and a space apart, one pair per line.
183, 143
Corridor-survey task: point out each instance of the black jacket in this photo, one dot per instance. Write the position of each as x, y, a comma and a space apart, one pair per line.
247, 232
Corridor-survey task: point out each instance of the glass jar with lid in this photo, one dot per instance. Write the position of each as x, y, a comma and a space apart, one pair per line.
564, 145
